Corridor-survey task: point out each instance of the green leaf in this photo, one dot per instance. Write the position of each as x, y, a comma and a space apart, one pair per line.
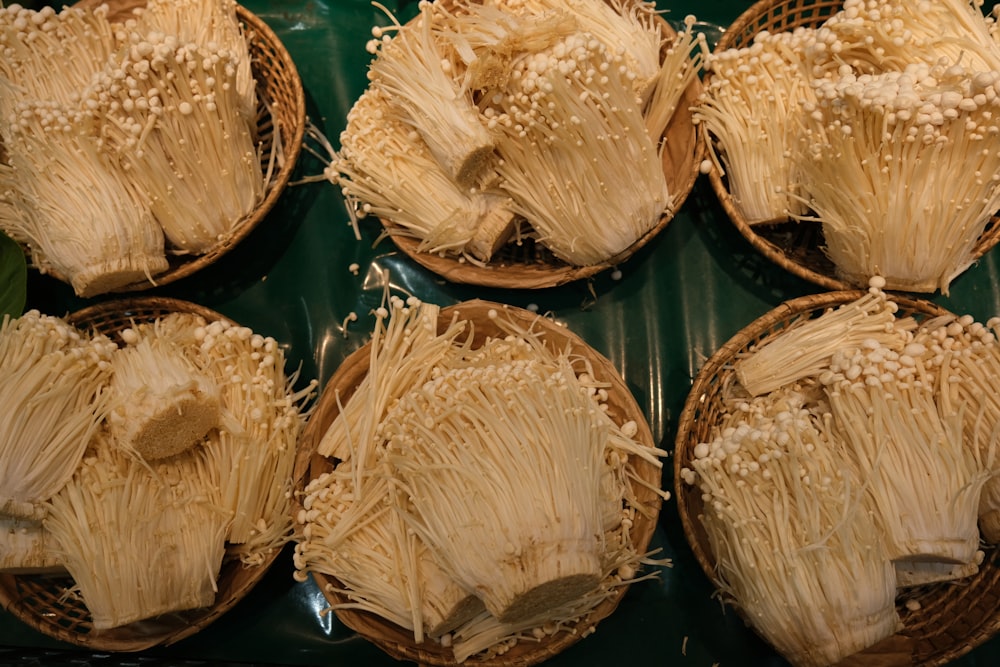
13, 278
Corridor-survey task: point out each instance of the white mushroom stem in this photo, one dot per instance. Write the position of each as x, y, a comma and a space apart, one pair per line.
794, 544
411, 69
173, 117
254, 451
206, 22
52, 55
878, 35
682, 60
924, 480
804, 349
138, 543
83, 218
523, 343
405, 348
965, 356
351, 529
51, 387
621, 563
347, 539
901, 171
466, 445
628, 28
353, 533
487, 38
385, 169
567, 123
345, 533
750, 106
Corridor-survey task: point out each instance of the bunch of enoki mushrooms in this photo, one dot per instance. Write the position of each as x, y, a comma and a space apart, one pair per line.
478, 496
486, 123
125, 142
879, 124
854, 458
140, 469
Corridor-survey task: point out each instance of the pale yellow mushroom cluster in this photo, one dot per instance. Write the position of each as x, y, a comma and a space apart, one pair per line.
51, 379
859, 474
476, 495
125, 141
751, 103
140, 468
792, 546
487, 123
878, 124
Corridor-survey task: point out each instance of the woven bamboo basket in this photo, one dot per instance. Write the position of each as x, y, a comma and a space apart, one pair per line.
41, 600
527, 264
281, 121
397, 641
949, 619
795, 246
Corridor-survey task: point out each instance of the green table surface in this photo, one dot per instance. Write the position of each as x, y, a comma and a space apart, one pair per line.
674, 303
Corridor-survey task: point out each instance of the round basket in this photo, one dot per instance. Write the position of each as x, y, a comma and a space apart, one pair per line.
397, 641
795, 246
41, 600
940, 621
526, 264
281, 121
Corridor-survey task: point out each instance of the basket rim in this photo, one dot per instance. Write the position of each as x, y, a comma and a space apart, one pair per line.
21, 595
731, 38
397, 641
143, 305
516, 274
709, 382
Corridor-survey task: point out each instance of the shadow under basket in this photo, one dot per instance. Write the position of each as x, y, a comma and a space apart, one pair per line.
397, 641
797, 247
44, 602
941, 621
281, 121
527, 264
